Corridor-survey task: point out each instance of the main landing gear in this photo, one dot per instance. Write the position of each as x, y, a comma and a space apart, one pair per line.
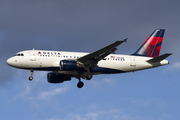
31, 77
80, 83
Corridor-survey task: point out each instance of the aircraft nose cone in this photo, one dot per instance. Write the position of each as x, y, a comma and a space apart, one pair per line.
9, 62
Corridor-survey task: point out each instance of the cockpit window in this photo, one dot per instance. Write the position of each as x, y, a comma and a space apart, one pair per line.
19, 54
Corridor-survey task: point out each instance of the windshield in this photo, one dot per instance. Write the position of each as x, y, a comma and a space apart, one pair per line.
19, 54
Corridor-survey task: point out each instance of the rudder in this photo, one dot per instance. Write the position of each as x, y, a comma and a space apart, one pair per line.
152, 46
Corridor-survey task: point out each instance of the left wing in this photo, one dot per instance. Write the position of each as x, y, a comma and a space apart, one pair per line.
90, 60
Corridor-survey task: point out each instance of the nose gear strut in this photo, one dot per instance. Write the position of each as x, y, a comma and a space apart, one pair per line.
31, 77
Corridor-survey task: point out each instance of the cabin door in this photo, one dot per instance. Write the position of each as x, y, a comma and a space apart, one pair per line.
133, 61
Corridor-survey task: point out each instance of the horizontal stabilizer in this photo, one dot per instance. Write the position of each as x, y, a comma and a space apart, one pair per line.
159, 58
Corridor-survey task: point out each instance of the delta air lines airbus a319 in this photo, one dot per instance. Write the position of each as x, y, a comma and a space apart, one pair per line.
65, 65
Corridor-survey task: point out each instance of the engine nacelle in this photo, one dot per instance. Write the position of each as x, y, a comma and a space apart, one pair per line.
57, 77
68, 65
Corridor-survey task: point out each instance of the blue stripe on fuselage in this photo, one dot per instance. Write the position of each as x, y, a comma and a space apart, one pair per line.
106, 70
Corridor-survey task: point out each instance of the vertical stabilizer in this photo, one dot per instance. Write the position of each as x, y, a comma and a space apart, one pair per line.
152, 46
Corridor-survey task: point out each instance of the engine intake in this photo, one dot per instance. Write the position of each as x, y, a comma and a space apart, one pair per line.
68, 65
57, 77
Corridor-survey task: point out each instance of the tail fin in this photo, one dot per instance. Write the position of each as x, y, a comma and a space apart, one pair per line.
152, 46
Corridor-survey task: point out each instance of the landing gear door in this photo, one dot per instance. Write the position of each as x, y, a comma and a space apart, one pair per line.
133, 61
33, 55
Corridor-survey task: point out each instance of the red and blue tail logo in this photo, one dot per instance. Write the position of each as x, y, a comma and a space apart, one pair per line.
152, 46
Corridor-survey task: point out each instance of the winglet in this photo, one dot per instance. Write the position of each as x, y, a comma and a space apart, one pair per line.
125, 40
159, 58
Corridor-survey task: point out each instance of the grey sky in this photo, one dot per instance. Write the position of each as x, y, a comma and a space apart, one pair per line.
54, 24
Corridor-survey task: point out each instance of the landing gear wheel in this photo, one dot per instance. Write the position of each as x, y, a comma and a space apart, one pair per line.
80, 84
88, 77
31, 78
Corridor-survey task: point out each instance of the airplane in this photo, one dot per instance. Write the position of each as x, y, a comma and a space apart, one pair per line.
66, 65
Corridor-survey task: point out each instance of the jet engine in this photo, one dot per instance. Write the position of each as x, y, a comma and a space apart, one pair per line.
57, 77
68, 65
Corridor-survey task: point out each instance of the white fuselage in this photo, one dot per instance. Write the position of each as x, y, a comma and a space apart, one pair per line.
50, 61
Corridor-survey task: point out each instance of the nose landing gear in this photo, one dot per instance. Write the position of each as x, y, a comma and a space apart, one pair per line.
31, 77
